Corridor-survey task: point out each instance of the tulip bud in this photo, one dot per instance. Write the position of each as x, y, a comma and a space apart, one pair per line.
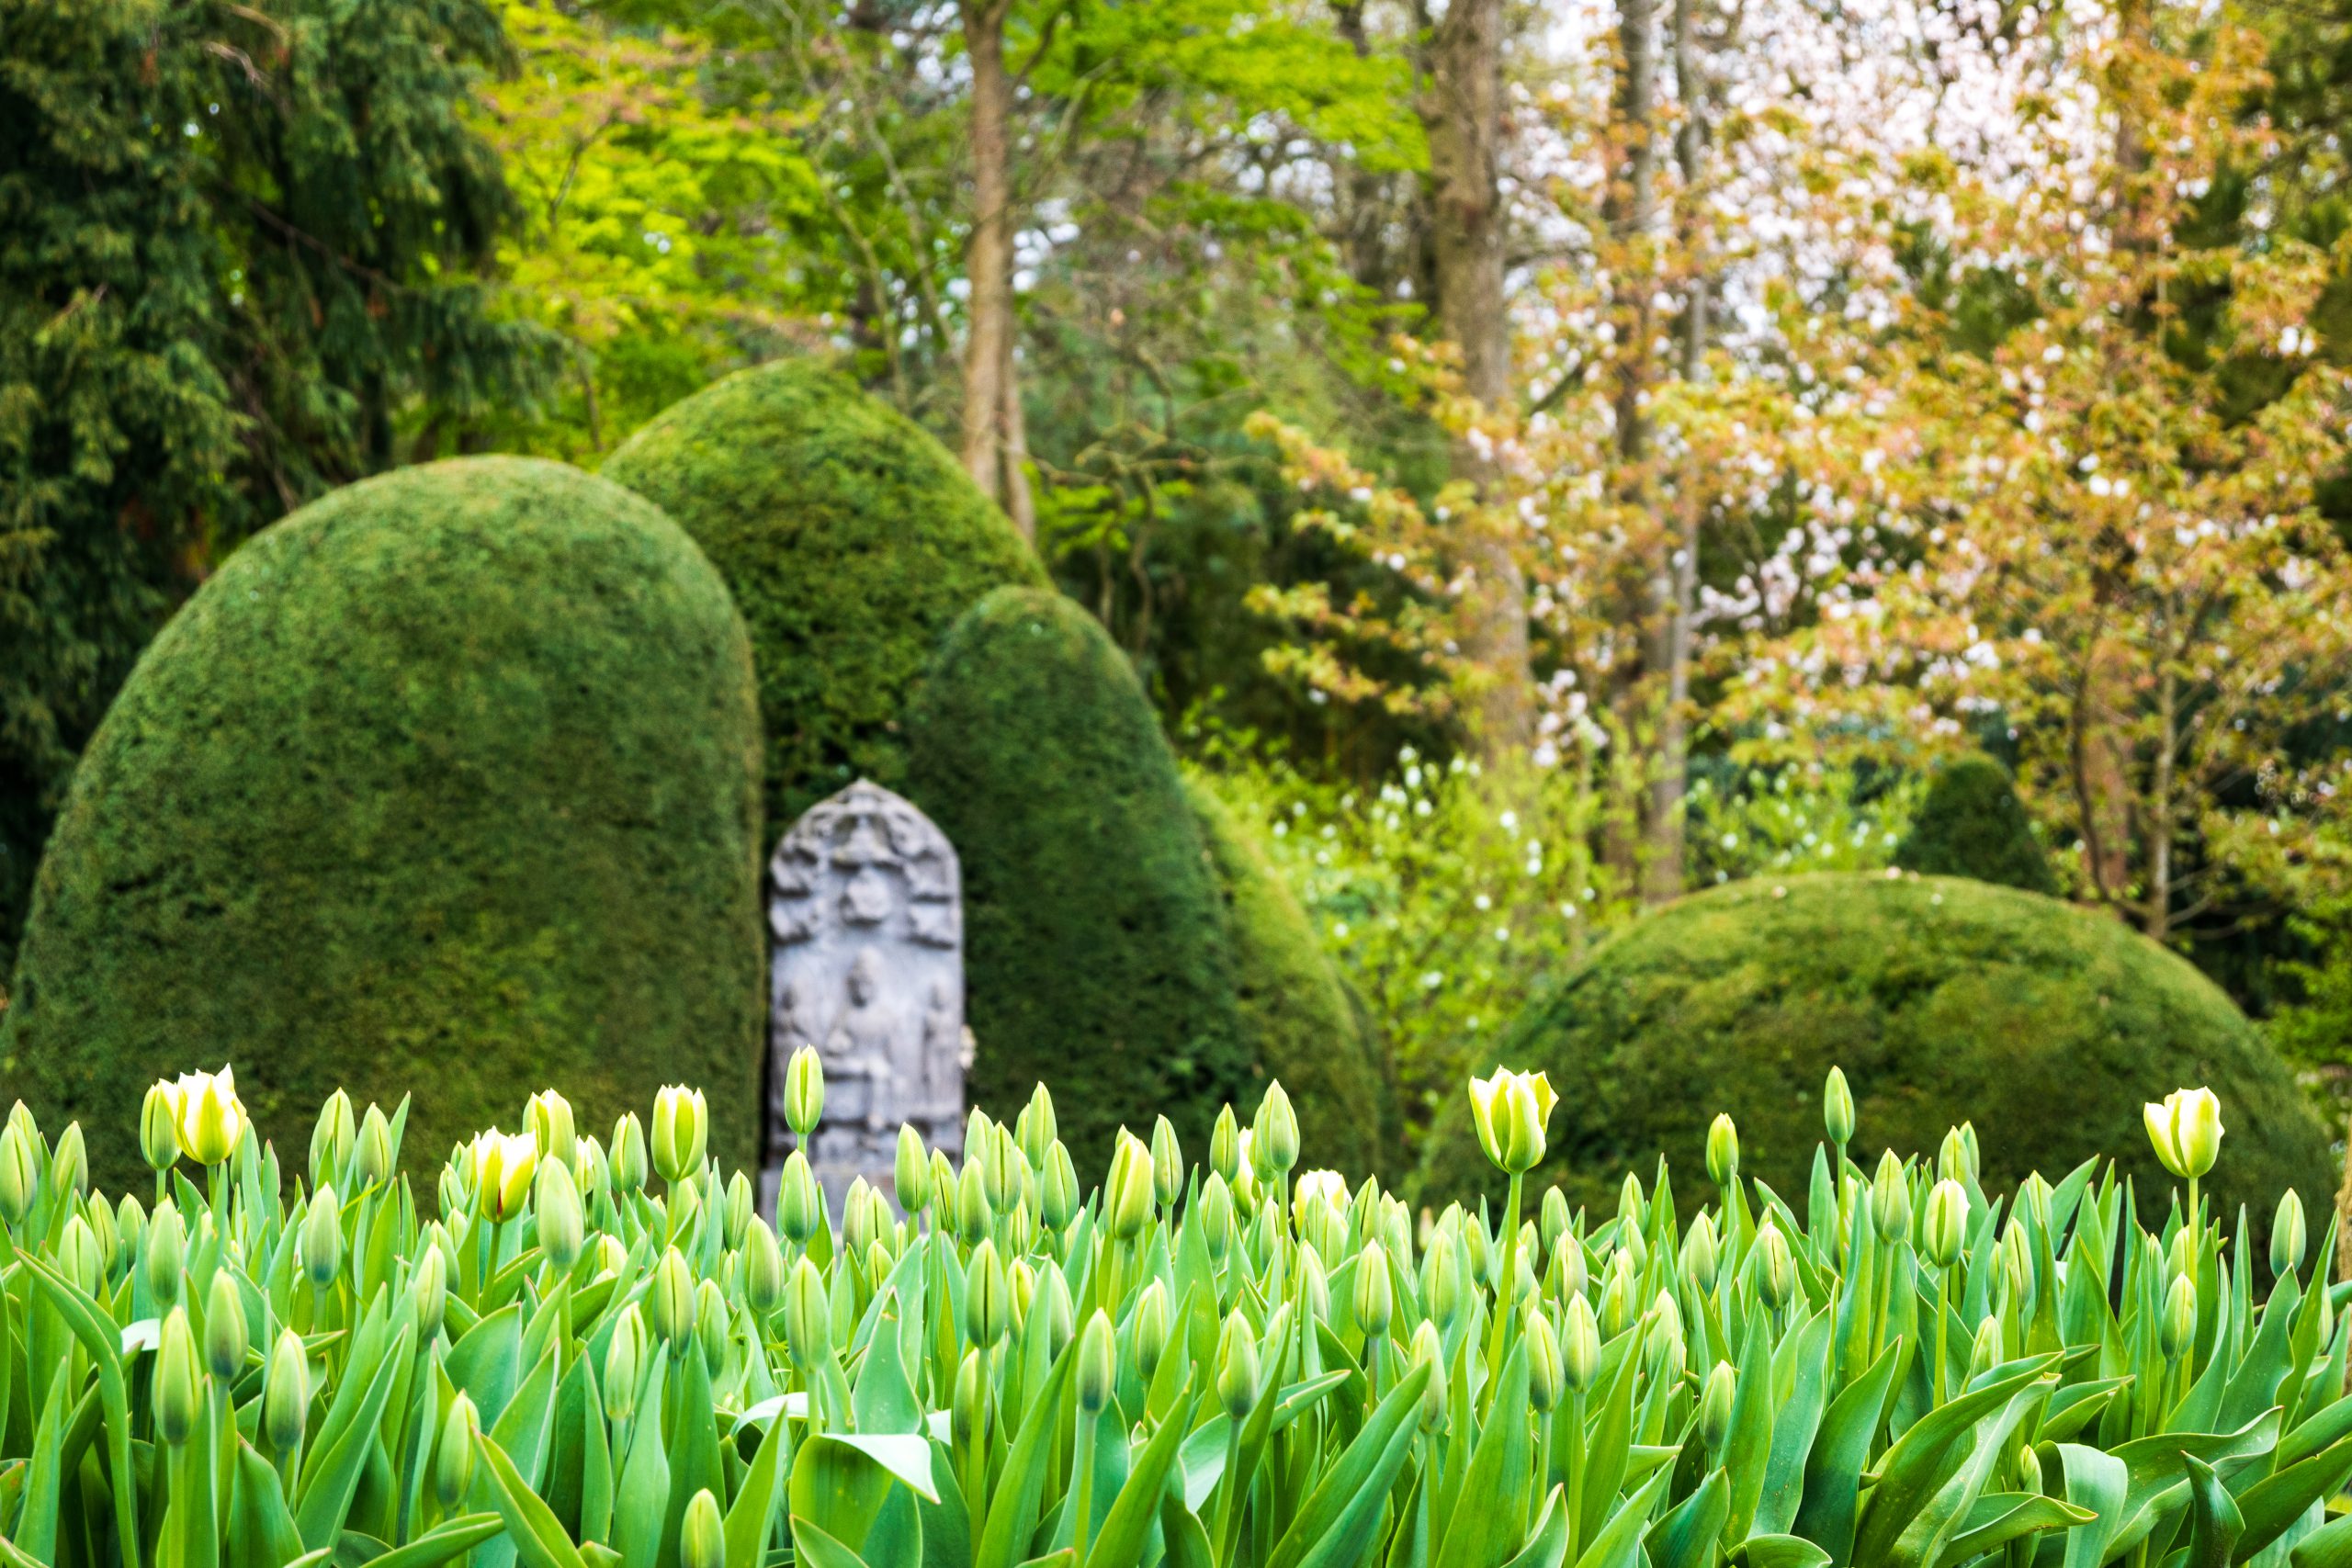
69, 1165
1700, 1253
323, 1237
974, 1213
712, 1323
504, 1166
563, 1227
625, 1364
1313, 1295
670, 1299
453, 1468
808, 1315
1167, 1163
1580, 1346
1098, 1364
1004, 1170
1547, 1372
1663, 1348
167, 1255
2186, 1129
804, 1093
1127, 1194
2288, 1236
1509, 1110
430, 1290
130, 1226
910, 1177
1722, 1151
1890, 1201
159, 1126
969, 1415
1447, 1285
627, 1157
680, 1136
212, 1121
2179, 1332
1776, 1268
179, 1380
1237, 1368
1150, 1339
1059, 1199
1555, 1218
1945, 1232
1376, 1302
1838, 1108
1715, 1407
1277, 1129
77, 1256
225, 1336
988, 1297
331, 1140
285, 1395
103, 1235
1984, 1352
19, 1175
1060, 1317
857, 1218
702, 1538
762, 1270
1224, 1146
799, 1207
1428, 1351
373, 1150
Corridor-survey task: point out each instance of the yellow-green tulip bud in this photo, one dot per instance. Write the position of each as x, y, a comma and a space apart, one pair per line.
625, 1363
1058, 1194
988, 1297
1127, 1194
1446, 1284
1167, 1163
1150, 1336
1314, 1286
212, 1119
69, 1164
1715, 1407
103, 1233
1245, 1175
179, 1380
974, 1213
670, 1299
130, 1225
808, 1315
1429, 1351
1216, 1217
452, 1467
1042, 1129
1580, 1346
504, 1166
1699, 1252
167, 1255
373, 1150
857, 1218
323, 1237
286, 1396
1956, 1156
910, 1177
712, 1323
627, 1157
2187, 1131
762, 1270
563, 1227
1890, 1201
1237, 1368
799, 1206
1224, 1146
1984, 1352
1663, 1346
2179, 1332
1510, 1110
970, 1410
1376, 1297
1479, 1249
1005, 1169
77, 1256
1945, 1231
547, 1118
20, 1176
2288, 1236
1098, 1363
331, 1139
1722, 1151
1776, 1268
804, 1092
159, 1126
681, 1131
226, 1339
1060, 1317
702, 1537
1838, 1108
430, 1290
1547, 1372
1555, 1218
1277, 1130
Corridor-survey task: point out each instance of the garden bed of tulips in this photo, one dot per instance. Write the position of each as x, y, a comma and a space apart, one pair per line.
564, 1352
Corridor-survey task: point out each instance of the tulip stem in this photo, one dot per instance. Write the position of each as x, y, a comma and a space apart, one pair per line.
1083, 1460
1506, 1277
1943, 1307
1576, 1468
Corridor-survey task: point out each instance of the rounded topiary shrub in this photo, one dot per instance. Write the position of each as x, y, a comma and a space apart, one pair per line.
448, 782
1973, 824
1094, 946
1297, 1019
851, 541
1943, 999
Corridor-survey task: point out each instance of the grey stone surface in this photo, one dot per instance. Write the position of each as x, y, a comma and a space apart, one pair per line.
866, 910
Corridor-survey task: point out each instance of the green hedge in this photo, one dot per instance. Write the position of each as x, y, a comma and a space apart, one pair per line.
1300, 1022
850, 541
1095, 955
1942, 998
448, 781
1972, 824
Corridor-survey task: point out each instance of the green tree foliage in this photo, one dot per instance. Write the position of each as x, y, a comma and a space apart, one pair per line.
1972, 824
241, 267
1944, 1000
850, 541
449, 782
1302, 1025
1095, 948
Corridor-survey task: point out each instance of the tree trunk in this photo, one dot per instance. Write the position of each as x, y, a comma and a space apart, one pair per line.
992, 452
1463, 112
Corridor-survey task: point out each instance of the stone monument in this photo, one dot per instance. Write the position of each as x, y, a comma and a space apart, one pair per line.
867, 914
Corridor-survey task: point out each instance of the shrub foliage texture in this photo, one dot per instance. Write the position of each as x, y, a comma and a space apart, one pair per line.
1972, 824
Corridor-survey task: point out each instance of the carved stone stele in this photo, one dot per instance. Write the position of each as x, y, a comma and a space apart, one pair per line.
867, 914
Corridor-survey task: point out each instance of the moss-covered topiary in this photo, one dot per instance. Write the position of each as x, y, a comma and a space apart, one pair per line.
1943, 999
1094, 946
448, 783
1296, 1016
1972, 824
850, 541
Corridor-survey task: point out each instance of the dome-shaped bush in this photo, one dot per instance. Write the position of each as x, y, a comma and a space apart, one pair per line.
1297, 1019
1094, 946
850, 541
1943, 999
448, 782
1972, 824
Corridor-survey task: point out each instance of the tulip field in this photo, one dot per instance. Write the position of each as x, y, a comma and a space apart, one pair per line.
566, 1352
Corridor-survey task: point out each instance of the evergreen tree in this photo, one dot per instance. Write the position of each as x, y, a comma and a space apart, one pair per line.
240, 263
1972, 824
